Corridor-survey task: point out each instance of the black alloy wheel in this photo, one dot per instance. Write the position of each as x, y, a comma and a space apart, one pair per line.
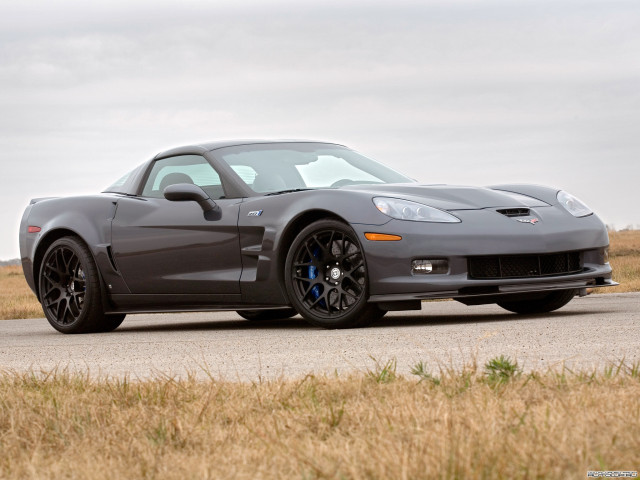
326, 277
70, 291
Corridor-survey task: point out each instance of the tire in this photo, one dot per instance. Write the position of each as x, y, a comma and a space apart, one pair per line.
260, 315
111, 322
326, 277
547, 303
70, 291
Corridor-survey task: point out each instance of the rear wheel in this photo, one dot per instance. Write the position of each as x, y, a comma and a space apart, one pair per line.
259, 315
70, 289
326, 277
547, 303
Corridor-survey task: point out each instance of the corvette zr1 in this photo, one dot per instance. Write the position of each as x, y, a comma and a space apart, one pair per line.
271, 229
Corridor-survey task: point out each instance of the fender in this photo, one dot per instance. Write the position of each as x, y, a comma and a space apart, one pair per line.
264, 242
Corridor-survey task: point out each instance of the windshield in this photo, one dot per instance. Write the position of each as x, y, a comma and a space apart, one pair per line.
268, 168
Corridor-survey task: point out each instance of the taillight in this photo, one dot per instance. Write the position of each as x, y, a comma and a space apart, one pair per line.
33, 229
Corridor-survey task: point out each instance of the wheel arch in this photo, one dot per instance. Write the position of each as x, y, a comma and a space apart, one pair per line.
46, 241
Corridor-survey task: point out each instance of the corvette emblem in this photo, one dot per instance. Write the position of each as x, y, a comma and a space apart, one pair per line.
532, 221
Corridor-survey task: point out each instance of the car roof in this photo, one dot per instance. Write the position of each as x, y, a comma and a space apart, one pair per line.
208, 146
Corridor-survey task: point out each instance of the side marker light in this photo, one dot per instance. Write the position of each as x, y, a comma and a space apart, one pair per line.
33, 229
382, 237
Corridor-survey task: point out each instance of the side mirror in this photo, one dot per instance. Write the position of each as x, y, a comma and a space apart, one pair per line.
182, 192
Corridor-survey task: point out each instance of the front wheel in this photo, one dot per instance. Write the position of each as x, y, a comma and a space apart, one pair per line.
326, 277
548, 303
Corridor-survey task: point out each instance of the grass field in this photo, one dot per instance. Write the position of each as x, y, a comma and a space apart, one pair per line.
624, 256
476, 423
17, 300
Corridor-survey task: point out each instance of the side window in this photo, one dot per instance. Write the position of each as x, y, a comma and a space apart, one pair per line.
125, 183
183, 169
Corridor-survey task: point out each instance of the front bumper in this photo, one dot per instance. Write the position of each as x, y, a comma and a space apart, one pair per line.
482, 233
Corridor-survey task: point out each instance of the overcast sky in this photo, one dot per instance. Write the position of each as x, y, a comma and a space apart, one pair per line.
460, 92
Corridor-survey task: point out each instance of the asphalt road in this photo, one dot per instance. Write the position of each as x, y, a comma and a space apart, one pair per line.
588, 333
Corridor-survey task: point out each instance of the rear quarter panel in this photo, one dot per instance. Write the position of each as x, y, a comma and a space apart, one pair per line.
87, 217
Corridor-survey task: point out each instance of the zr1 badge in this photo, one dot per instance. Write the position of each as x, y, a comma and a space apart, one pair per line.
254, 213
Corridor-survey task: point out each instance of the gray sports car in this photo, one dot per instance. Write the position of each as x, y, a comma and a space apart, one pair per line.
272, 229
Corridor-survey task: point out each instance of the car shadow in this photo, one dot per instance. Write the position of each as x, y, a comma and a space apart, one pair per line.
456, 319
296, 323
390, 320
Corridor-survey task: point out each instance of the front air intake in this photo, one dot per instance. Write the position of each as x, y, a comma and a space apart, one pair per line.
524, 266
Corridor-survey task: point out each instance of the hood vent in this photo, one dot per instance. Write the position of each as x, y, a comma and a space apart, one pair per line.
515, 212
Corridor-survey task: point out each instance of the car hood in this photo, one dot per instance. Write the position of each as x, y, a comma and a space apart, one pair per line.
450, 197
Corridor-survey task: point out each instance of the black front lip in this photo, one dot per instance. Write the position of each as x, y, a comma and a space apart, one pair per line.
475, 288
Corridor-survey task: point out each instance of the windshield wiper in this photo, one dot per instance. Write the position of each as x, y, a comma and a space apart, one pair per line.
290, 190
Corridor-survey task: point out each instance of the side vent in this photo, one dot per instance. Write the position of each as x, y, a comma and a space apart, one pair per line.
514, 212
111, 259
112, 213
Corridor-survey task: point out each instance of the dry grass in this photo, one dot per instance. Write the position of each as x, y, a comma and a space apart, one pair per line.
461, 424
625, 260
17, 300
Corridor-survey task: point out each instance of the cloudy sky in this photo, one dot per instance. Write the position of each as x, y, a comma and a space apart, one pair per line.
452, 91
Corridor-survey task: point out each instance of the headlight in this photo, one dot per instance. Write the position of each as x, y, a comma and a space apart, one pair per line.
406, 210
574, 206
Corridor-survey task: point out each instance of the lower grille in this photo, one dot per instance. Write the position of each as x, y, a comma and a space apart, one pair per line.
525, 266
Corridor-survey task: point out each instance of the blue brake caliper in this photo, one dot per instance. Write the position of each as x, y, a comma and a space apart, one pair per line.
313, 273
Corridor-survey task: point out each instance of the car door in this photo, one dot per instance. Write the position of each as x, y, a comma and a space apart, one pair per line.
174, 247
